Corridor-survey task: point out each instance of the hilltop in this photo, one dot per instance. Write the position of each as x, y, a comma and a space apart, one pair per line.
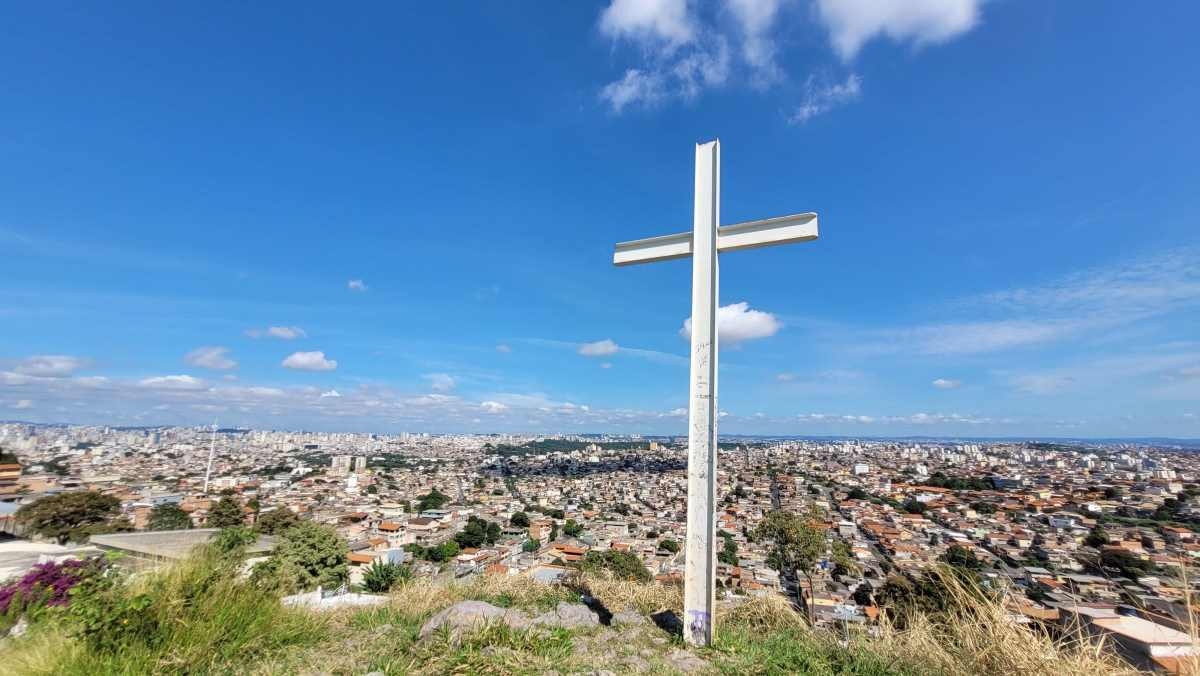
198, 618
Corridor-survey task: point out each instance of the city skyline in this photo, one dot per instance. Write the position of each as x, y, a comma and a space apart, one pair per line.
204, 218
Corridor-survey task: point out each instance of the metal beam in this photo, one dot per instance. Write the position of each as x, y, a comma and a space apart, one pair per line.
748, 235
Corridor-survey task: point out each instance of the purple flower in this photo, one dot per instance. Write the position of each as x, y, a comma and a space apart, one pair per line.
47, 584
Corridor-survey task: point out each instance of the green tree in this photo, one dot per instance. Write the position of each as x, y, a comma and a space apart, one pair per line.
914, 506
796, 544
276, 521
531, 546
520, 520
225, 514
381, 576
572, 529
1126, 562
169, 516
957, 556
857, 493
70, 516
434, 499
983, 507
1097, 537
729, 553
306, 555
474, 534
622, 565
668, 545
493, 533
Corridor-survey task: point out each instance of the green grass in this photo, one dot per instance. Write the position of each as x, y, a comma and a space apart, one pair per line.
199, 617
797, 651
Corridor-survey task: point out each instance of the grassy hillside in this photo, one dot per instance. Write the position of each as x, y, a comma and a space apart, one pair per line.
200, 618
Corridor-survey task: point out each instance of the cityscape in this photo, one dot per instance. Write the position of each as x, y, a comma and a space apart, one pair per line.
1068, 530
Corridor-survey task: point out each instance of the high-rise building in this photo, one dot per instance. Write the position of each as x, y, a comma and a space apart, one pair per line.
340, 465
359, 464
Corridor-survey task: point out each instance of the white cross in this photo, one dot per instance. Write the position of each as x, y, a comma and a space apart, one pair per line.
702, 244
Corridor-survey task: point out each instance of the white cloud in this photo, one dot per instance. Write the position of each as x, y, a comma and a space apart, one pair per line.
785, 377
210, 357
756, 17
737, 323
600, 348
493, 407
852, 23
503, 348
1044, 383
665, 22
50, 366
440, 382
23, 404
606, 365
676, 64
635, 87
946, 384
283, 332
179, 382
356, 285
822, 97
309, 361
331, 394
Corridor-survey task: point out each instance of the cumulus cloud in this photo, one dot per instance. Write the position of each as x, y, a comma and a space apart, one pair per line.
600, 348
178, 382
210, 357
309, 361
946, 384
822, 97
282, 332
737, 323
50, 365
331, 394
677, 64
785, 377
755, 19
503, 348
666, 22
493, 407
356, 285
440, 382
852, 23
22, 404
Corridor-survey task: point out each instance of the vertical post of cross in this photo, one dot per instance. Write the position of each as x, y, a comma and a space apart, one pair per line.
701, 556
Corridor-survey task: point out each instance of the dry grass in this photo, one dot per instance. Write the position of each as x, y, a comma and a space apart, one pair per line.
977, 636
761, 614
617, 595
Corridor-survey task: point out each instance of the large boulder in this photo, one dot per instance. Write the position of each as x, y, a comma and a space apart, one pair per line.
468, 615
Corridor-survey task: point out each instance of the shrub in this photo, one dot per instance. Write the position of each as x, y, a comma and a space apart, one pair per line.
307, 555
45, 585
276, 521
169, 517
622, 565
381, 576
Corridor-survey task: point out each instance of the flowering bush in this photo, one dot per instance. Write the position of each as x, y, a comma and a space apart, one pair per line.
45, 585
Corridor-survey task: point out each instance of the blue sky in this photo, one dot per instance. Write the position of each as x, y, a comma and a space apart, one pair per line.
402, 218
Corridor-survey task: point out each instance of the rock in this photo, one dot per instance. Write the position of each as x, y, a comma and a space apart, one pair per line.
466, 615
569, 616
19, 628
629, 617
686, 661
